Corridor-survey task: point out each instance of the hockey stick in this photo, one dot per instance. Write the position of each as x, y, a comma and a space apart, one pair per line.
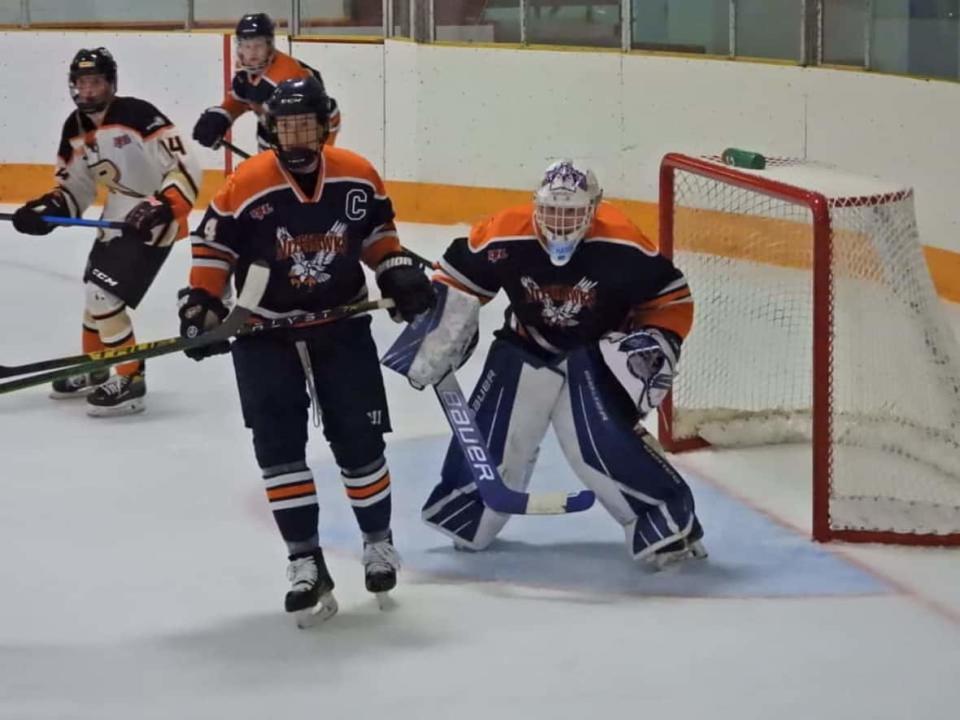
494, 493
232, 148
79, 222
232, 325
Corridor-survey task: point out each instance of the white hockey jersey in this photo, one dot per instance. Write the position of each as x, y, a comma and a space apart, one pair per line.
134, 153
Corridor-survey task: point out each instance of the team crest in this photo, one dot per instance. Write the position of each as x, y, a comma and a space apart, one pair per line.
311, 254
261, 211
560, 304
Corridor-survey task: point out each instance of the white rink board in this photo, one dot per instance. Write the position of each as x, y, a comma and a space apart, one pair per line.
493, 117
353, 75
179, 73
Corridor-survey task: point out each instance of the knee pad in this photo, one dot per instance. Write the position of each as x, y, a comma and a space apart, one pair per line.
279, 442
107, 314
359, 450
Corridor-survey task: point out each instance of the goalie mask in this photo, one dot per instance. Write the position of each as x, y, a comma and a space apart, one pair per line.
254, 42
298, 118
93, 80
564, 207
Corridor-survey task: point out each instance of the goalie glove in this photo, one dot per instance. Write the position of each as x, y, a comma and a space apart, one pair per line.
652, 355
438, 341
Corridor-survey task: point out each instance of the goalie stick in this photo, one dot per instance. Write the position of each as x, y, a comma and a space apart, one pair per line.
70, 221
495, 494
84, 362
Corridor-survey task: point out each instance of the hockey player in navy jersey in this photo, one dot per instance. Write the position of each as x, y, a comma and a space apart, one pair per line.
592, 339
130, 148
260, 67
313, 213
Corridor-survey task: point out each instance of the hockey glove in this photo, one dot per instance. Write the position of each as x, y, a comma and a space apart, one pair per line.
652, 355
212, 126
27, 218
401, 279
151, 221
200, 312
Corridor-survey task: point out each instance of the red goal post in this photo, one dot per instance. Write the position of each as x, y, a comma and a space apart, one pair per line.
799, 264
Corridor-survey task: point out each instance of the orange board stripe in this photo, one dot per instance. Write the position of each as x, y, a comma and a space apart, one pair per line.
447, 205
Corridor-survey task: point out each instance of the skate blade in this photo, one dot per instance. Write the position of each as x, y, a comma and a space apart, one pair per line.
385, 601
131, 407
325, 609
54, 395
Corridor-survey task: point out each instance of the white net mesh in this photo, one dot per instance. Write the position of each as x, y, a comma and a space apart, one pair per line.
746, 375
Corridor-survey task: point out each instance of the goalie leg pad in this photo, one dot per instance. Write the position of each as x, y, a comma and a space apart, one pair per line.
621, 462
512, 403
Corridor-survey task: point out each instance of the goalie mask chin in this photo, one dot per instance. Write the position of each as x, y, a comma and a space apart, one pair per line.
564, 207
298, 120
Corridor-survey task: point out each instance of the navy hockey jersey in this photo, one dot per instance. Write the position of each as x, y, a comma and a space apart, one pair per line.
616, 281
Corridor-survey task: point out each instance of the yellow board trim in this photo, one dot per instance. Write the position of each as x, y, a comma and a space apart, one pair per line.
437, 204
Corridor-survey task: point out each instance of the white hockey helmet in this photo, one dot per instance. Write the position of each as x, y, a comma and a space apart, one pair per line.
564, 207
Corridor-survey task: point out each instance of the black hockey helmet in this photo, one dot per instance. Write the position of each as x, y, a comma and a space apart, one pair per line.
95, 61
254, 25
299, 96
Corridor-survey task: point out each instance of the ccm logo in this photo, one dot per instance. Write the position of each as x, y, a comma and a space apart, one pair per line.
473, 444
100, 275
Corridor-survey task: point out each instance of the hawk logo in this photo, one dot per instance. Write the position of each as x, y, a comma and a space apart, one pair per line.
121, 141
261, 211
497, 254
561, 303
311, 253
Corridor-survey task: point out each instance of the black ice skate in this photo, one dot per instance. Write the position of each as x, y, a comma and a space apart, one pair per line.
380, 564
120, 395
310, 598
78, 385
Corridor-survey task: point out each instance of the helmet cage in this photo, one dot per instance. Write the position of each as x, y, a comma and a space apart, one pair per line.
307, 107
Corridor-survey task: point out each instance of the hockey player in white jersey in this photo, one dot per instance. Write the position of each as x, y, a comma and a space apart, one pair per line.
590, 345
130, 148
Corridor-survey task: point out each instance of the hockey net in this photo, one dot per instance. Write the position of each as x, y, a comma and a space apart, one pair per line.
816, 321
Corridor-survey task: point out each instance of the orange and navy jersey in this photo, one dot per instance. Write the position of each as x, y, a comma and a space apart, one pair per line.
313, 243
135, 152
616, 281
250, 92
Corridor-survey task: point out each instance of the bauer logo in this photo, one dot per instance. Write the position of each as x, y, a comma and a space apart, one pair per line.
473, 445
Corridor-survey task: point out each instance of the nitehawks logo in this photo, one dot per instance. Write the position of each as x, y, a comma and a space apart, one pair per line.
311, 253
561, 303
